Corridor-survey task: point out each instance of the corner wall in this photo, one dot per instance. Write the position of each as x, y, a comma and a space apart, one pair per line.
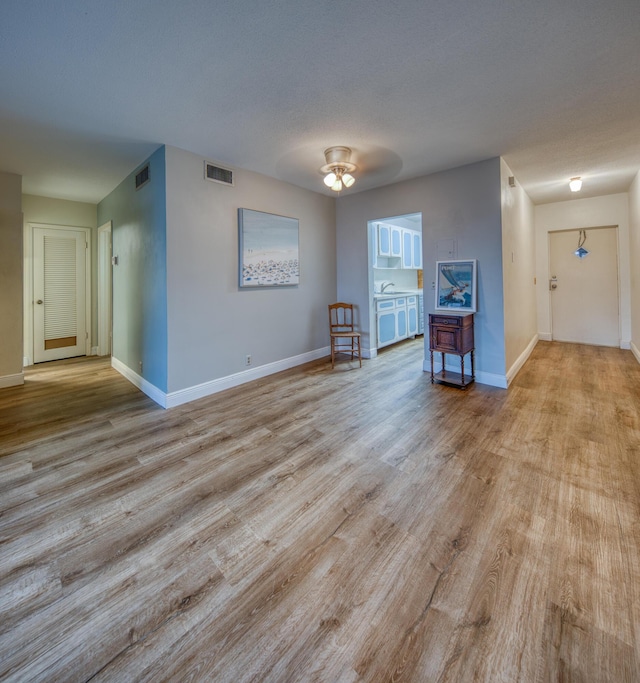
462, 204
518, 272
140, 278
634, 257
212, 324
11, 371
572, 215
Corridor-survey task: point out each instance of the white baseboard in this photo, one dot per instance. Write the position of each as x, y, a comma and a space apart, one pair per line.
635, 350
145, 387
176, 398
487, 378
12, 380
94, 351
521, 360
545, 336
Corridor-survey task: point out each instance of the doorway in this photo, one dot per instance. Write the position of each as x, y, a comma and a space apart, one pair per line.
395, 280
104, 290
61, 287
584, 286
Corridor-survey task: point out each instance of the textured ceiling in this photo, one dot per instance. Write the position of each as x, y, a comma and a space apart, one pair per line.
89, 88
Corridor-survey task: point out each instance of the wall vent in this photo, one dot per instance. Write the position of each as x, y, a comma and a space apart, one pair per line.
142, 177
216, 174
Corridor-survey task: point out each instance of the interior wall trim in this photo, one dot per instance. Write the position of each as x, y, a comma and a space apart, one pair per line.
635, 350
151, 390
177, 398
12, 380
521, 360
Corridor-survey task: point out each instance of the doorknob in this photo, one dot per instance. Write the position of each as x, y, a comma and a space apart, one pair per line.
39, 301
553, 283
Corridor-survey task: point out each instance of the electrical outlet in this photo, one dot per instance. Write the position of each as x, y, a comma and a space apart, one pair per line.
140, 365
248, 360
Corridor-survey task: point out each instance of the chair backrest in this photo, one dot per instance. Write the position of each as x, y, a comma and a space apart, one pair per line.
341, 317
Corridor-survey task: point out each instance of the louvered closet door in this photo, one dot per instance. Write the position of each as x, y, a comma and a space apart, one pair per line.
59, 324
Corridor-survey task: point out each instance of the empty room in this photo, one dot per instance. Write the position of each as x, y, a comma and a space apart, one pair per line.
198, 203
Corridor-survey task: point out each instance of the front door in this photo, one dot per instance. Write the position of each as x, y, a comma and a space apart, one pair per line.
584, 289
59, 293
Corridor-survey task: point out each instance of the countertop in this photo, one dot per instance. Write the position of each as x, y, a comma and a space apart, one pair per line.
392, 295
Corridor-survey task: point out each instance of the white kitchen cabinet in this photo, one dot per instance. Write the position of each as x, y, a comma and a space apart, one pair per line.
412, 316
388, 247
411, 249
396, 242
396, 247
395, 319
386, 321
401, 318
417, 250
389, 241
420, 313
407, 248
384, 240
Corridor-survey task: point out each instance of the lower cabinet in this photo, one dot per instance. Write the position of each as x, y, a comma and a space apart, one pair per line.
397, 319
386, 314
412, 316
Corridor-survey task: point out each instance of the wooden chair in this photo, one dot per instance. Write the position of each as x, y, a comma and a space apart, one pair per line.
344, 338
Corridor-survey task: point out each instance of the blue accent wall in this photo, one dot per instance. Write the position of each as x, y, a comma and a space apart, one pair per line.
139, 235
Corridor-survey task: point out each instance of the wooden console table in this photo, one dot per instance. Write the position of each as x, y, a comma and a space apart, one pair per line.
452, 333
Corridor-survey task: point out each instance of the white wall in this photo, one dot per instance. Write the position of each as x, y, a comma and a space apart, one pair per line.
634, 258
11, 372
212, 324
461, 204
518, 272
48, 211
575, 214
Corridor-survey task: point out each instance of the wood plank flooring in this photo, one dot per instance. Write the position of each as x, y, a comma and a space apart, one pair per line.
325, 526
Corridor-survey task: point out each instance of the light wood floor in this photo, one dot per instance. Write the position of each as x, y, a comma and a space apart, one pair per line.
318, 525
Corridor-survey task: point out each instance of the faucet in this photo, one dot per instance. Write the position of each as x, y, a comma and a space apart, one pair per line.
385, 285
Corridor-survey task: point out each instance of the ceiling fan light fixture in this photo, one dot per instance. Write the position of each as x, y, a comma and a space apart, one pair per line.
338, 168
575, 184
330, 179
348, 179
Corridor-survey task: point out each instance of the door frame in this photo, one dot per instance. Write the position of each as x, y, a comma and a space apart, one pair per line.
29, 339
105, 295
618, 279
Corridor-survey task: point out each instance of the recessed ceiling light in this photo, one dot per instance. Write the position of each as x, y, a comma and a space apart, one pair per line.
575, 184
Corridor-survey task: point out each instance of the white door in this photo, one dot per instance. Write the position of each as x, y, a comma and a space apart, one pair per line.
584, 291
59, 293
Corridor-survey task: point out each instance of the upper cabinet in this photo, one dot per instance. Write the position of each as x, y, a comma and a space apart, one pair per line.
389, 241
417, 250
397, 247
384, 240
407, 248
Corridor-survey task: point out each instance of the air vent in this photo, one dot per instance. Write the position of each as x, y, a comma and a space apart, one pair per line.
216, 174
142, 177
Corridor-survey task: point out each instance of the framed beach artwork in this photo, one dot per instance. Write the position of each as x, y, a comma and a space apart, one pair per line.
268, 249
456, 285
